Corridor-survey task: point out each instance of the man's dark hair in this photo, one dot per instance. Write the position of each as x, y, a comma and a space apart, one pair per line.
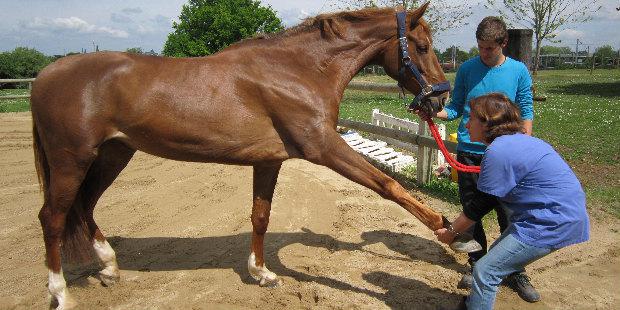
492, 28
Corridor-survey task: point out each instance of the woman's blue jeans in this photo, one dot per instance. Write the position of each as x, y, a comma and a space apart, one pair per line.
506, 256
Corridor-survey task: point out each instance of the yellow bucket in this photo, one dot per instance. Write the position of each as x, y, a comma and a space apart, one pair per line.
453, 174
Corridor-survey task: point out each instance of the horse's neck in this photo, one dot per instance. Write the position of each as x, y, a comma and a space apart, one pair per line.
337, 60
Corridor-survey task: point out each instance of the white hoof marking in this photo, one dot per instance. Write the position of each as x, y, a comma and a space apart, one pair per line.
110, 273
262, 274
58, 289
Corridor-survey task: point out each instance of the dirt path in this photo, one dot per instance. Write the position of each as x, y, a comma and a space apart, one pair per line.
181, 233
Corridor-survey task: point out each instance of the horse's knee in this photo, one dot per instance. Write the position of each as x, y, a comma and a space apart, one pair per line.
389, 188
260, 221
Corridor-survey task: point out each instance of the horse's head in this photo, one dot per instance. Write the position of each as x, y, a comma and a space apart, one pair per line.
430, 85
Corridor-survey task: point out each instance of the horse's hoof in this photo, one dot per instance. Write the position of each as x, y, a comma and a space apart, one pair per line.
65, 304
107, 280
270, 283
465, 243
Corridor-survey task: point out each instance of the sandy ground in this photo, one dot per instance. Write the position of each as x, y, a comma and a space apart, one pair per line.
181, 234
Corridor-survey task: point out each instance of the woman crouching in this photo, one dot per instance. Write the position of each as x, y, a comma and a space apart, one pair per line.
541, 194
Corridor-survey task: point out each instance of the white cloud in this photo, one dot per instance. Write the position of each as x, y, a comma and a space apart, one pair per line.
74, 24
570, 34
132, 10
120, 18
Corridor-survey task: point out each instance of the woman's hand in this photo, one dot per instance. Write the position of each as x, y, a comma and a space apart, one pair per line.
444, 235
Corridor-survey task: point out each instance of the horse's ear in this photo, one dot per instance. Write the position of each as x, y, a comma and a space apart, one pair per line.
331, 28
417, 14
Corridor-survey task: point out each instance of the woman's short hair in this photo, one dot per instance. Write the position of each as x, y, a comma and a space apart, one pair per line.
499, 115
492, 28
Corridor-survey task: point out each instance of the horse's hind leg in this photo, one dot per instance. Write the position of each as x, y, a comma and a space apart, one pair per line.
66, 173
265, 178
112, 158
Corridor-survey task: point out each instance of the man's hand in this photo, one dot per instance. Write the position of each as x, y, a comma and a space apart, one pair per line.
424, 115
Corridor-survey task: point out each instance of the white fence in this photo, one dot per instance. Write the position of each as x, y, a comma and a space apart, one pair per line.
379, 152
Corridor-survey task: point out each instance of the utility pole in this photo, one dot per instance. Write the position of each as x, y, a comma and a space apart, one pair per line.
454, 57
576, 53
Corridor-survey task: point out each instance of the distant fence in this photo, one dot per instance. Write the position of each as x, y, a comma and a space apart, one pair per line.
6, 81
375, 87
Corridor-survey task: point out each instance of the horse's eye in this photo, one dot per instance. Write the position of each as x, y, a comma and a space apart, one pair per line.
422, 49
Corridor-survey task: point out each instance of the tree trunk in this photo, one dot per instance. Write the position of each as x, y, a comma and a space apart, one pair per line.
536, 56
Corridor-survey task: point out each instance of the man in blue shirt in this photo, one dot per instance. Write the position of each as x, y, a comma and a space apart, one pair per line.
490, 72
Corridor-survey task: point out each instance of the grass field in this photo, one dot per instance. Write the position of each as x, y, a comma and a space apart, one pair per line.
14, 105
580, 118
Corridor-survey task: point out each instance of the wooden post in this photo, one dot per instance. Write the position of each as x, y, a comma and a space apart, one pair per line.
519, 46
425, 163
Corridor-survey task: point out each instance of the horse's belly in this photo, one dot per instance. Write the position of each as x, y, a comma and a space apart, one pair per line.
236, 150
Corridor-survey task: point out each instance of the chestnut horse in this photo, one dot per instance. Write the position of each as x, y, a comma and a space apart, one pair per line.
258, 102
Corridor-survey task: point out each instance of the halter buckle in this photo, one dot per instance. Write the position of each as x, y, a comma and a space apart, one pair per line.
427, 91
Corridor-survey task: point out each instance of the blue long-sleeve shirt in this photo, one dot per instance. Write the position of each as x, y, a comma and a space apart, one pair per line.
475, 79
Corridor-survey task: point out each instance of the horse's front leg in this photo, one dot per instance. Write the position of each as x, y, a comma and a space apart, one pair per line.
334, 153
265, 178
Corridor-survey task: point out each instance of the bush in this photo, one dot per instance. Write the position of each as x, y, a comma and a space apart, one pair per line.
22, 63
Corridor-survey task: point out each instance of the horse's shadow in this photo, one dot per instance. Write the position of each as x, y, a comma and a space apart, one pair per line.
230, 252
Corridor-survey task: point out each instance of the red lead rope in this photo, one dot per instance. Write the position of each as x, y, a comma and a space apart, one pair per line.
442, 147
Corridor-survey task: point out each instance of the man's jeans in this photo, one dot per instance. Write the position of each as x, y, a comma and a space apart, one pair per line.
506, 256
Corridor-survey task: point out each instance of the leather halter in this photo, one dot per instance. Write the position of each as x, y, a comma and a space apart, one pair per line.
405, 61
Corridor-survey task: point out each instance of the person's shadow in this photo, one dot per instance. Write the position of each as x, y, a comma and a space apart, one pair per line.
231, 252
406, 293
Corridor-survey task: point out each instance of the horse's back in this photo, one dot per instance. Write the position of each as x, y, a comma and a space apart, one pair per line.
65, 83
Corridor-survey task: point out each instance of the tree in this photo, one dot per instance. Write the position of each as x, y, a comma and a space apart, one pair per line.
22, 62
555, 50
460, 56
207, 26
134, 50
605, 51
544, 17
474, 51
439, 15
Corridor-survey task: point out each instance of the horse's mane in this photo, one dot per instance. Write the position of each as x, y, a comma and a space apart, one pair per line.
314, 23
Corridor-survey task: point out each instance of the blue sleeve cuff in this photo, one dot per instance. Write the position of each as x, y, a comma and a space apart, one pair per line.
451, 113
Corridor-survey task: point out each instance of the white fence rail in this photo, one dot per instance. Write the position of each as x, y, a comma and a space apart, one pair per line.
427, 157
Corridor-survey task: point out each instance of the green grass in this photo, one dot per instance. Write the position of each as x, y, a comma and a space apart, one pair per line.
14, 105
580, 118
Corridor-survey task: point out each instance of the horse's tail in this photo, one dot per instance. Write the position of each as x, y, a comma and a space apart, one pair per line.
76, 241
40, 161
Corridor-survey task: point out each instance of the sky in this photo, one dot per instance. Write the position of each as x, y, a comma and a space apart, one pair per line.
56, 27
